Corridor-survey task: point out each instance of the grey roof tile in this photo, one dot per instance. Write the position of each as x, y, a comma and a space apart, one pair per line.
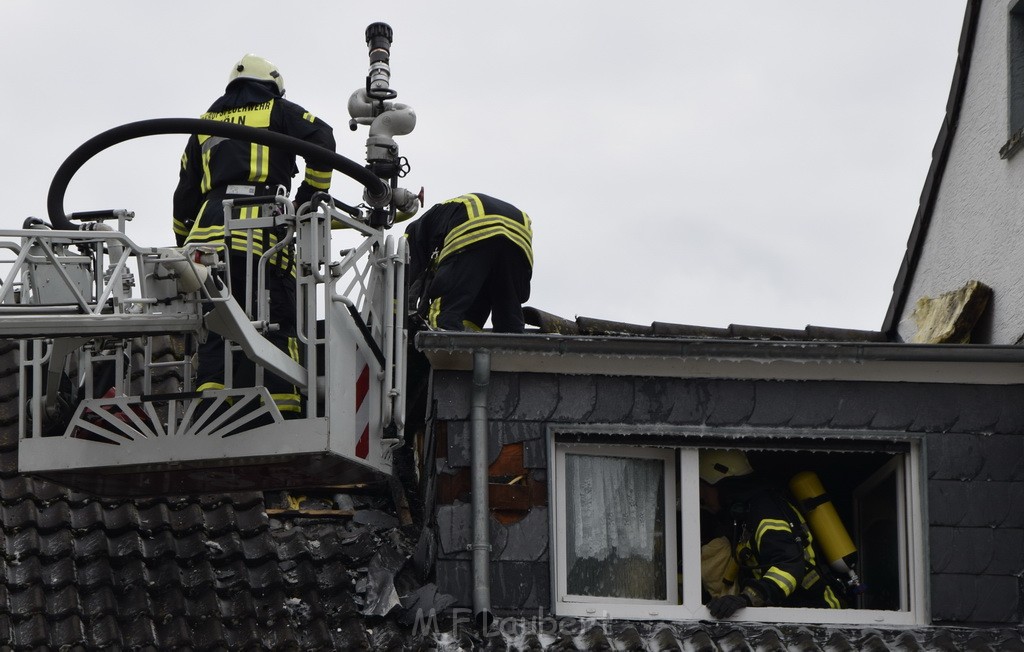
980, 408
153, 517
92, 574
537, 399
895, 411
190, 546
576, 397
535, 453
775, 403
56, 544
954, 456
1003, 458
120, 517
459, 445
1011, 417
91, 543
23, 573
63, 602
527, 539
15, 489
141, 633
98, 602
514, 432
938, 410
452, 401
732, 402
157, 544
87, 517
56, 515
57, 573
690, 404
103, 632
653, 401
127, 544
187, 519
853, 409
502, 395
31, 632
614, 401
29, 600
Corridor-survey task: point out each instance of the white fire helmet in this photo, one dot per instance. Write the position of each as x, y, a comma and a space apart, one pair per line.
253, 67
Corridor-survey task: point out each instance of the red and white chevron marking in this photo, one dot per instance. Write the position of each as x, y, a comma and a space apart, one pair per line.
362, 420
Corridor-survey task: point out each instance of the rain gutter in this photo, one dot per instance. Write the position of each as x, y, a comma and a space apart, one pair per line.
735, 358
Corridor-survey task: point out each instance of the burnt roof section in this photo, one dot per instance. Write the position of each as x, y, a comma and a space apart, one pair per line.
208, 572
588, 326
940, 156
217, 572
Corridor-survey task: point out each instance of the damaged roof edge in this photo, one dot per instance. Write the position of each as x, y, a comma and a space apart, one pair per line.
940, 155
610, 346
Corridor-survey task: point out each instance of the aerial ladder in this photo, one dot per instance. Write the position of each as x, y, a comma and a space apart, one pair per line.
107, 327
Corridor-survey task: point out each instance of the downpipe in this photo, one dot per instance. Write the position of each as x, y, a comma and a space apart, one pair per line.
481, 545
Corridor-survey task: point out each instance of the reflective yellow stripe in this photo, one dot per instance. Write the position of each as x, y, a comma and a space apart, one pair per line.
483, 234
179, 227
319, 179
207, 143
492, 225
470, 326
215, 235
210, 385
782, 579
810, 579
206, 183
259, 162
474, 207
287, 402
768, 525
489, 221
831, 599
309, 117
435, 310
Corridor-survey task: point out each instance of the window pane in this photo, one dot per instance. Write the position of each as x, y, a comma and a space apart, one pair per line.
615, 517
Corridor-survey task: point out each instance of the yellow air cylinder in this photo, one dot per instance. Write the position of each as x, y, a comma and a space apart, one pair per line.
823, 520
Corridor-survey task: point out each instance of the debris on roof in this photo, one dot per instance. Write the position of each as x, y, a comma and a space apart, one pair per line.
552, 324
951, 316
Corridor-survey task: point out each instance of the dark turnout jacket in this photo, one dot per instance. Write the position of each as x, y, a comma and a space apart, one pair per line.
212, 165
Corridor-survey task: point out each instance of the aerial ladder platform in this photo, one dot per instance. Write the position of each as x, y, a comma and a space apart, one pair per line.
108, 327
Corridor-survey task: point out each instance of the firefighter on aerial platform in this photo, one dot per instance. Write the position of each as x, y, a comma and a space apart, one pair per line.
769, 540
214, 169
470, 257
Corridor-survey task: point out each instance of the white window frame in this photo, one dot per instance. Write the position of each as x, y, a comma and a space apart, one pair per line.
586, 606
688, 606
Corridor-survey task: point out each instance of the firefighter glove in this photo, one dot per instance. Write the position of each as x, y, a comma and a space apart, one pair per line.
726, 605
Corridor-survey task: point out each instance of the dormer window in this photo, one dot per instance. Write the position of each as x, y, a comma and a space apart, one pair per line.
1015, 79
631, 539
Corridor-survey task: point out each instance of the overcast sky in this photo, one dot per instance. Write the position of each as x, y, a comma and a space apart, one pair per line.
704, 163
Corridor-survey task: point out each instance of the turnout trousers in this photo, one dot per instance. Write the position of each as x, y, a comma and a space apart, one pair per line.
491, 277
281, 287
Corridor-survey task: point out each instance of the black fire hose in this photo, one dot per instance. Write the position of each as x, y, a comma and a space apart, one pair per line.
377, 189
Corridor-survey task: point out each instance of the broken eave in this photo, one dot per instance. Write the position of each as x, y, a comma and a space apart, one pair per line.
735, 359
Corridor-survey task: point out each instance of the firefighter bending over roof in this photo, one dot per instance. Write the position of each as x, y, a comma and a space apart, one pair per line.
771, 541
214, 169
471, 257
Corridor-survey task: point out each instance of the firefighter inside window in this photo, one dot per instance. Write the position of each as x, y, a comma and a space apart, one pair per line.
757, 548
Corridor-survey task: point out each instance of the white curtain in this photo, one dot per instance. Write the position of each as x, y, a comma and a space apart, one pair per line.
614, 511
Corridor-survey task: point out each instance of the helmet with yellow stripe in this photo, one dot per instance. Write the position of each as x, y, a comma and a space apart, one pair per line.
253, 67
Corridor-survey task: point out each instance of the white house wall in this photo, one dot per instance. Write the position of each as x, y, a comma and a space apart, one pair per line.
977, 226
